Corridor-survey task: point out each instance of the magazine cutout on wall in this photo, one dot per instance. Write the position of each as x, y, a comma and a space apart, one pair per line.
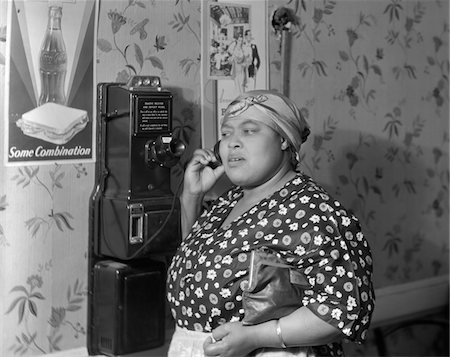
237, 56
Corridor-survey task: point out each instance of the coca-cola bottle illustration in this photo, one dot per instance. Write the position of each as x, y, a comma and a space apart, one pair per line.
53, 60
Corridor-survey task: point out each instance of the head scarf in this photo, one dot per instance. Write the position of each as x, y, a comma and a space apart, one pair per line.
274, 110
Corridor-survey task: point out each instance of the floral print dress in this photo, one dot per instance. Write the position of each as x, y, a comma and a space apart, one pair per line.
310, 230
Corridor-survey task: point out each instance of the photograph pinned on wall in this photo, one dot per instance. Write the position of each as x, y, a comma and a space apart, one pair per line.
50, 68
233, 53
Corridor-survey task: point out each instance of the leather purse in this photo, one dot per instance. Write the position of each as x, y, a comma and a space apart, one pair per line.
275, 289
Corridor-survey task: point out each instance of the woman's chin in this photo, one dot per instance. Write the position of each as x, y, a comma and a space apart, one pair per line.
238, 176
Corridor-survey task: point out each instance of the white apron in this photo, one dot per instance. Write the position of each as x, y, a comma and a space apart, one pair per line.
187, 343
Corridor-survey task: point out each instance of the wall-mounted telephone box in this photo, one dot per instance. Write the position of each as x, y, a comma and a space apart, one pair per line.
129, 307
134, 218
134, 206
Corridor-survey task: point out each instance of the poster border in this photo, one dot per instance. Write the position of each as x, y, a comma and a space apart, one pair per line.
7, 97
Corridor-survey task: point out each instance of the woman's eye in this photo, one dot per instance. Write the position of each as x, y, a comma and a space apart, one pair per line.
249, 131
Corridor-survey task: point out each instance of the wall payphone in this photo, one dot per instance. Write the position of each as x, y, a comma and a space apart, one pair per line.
134, 216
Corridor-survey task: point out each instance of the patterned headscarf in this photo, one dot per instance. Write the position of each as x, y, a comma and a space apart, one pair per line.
274, 110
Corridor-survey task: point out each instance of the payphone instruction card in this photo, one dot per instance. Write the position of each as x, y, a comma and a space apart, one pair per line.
153, 114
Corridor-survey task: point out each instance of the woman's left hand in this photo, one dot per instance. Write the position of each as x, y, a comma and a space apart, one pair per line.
232, 339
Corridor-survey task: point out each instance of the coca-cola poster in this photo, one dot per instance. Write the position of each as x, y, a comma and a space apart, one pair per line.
50, 82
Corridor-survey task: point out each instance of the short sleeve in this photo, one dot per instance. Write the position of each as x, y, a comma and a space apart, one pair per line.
339, 269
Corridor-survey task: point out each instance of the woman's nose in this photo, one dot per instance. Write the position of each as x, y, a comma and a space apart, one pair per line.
234, 141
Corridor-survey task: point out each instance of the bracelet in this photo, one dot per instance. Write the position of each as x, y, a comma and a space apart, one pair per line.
280, 336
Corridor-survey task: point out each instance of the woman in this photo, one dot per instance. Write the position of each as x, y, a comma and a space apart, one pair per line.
271, 205
240, 56
255, 60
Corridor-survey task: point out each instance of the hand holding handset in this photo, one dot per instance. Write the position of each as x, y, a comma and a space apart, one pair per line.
203, 171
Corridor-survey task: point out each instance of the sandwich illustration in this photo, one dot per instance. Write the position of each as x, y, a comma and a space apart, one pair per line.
54, 123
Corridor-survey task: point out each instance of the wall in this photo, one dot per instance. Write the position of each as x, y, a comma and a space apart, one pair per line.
371, 77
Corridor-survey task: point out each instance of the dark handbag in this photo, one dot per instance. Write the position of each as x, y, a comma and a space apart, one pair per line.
275, 289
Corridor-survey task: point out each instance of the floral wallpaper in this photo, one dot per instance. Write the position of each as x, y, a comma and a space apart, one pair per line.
371, 78
43, 257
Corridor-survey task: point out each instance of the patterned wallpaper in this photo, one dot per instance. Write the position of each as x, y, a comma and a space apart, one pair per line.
372, 79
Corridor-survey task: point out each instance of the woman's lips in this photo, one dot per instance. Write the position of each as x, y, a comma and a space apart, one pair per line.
235, 160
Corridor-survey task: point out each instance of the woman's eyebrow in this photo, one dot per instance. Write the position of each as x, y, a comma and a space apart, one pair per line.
242, 123
225, 126
250, 121
246, 122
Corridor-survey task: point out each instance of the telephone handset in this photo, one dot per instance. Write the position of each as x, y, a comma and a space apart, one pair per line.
217, 152
217, 155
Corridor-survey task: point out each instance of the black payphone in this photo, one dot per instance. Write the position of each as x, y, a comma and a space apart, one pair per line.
134, 219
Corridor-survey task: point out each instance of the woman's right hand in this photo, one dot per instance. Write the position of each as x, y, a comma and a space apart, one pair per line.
199, 177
